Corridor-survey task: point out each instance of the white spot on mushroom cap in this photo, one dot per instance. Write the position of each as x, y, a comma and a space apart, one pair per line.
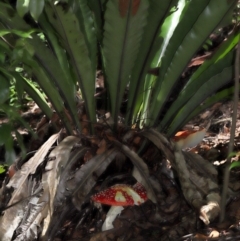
119, 197
136, 197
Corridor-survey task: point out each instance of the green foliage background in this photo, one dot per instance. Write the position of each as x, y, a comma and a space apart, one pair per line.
60, 44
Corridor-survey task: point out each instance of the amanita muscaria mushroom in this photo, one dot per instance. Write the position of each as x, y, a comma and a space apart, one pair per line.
189, 138
118, 196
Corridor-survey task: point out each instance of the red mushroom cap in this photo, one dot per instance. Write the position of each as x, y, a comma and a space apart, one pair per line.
141, 191
189, 139
121, 195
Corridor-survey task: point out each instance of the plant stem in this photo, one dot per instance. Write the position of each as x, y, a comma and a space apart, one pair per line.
232, 135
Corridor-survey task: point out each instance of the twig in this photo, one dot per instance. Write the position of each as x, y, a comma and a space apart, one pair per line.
232, 135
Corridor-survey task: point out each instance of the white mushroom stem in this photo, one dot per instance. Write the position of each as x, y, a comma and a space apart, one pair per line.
117, 196
111, 215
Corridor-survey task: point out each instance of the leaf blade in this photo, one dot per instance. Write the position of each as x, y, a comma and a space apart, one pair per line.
193, 35
22, 7
74, 42
121, 45
36, 8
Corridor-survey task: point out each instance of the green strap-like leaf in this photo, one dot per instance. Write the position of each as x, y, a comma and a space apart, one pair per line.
144, 112
97, 10
10, 17
168, 29
150, 43
121, 42
160, 44
235, 163
23, 34
204, 91
47, 68
36, 8
51, 67
42, 77
22, 7
86, 22
208, 69
218, 97
4, 48
199, 20
67, 83
53, 40
35, 94
67, 25
4, 88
